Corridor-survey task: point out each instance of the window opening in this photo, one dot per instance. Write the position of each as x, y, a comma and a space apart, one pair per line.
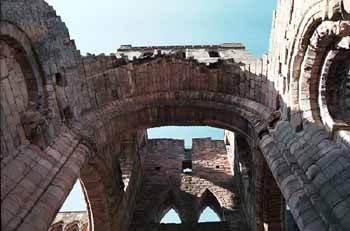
171, 217
75, 200
208, 215
60, 81
67, 113
214, 54
187, 166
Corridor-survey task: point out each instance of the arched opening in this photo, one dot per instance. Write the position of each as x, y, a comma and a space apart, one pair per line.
73, 215
75, 200
58, 226
74, 226
159, 111
209, 208
207, 97
208, 215
21, 95
334, 94
171, 217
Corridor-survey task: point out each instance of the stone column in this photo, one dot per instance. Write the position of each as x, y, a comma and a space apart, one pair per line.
312, 172
36, 182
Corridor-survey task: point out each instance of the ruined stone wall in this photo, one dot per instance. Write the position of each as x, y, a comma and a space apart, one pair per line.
36, 182
111, 181
260, 197
58, 110
164, 73
308, 42
78, 221
71, 221
14, 100
166, 186
131, 173
40, 156
306, 46
209, 226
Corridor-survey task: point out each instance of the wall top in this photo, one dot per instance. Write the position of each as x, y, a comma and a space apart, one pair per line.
129, 47
202, 53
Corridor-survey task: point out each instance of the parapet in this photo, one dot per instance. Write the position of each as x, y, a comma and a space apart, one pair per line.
202, 53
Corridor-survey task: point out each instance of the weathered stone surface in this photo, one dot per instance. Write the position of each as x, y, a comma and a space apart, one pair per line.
64, 116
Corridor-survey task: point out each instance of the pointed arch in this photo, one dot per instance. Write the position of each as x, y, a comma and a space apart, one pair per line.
208, 199
208, 215
167, 201
58, 226
73, 226
169, 213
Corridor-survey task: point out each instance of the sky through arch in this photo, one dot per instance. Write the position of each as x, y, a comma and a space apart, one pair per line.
208, 215
171, 217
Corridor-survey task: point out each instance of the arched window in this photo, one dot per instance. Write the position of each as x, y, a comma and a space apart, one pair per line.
166, 209
74, 226
58, 226
208, 215
209, 208
171, 217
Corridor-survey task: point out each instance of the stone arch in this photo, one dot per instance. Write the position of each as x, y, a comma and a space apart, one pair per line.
319, 56
22, 94
25, 56
208, 199
58, 226
174, 108
54, 54
333, 86
333, 95
300, 175
167, 200
102, 182
162, 109
73, 226
255, 180
326, 36
53, 172
150, 114
311, 22
273, 204
90, 224
101, 192
168, 73
202, 96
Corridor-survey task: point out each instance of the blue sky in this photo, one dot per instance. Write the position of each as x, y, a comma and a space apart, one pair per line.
102, 26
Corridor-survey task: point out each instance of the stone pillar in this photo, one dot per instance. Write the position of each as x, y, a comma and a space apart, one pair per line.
312, 172
36, 182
